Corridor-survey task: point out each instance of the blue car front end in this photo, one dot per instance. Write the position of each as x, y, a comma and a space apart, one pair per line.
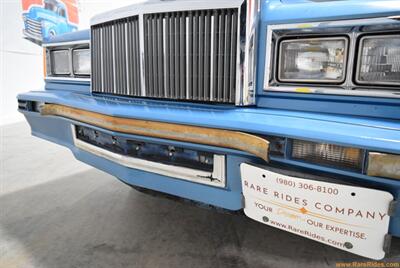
283, 115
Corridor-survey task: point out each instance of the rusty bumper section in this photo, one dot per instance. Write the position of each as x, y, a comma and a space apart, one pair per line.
201, 135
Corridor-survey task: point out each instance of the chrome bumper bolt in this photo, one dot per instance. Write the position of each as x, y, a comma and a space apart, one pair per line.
171, 150
114, 140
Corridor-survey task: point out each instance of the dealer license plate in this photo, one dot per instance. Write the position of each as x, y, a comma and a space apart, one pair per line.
354, 219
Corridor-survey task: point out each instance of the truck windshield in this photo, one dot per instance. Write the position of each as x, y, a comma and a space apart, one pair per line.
61, 12
50, 6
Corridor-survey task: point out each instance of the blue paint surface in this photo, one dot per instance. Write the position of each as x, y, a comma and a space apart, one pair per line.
70, 37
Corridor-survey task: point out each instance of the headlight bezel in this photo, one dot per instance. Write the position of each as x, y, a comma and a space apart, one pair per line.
351, 29
50, 48
311, 81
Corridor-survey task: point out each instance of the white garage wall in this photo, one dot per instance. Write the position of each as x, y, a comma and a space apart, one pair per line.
21, 62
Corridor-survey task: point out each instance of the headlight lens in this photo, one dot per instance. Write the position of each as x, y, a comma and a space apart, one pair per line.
60, 62
81, 61
379, 60
313, 60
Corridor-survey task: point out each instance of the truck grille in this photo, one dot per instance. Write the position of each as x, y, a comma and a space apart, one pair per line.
33, 27
188, 55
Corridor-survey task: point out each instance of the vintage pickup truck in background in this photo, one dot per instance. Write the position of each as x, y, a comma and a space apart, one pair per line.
49, 20
288, 110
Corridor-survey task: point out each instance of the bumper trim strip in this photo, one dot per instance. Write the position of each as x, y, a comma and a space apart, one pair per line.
201, 135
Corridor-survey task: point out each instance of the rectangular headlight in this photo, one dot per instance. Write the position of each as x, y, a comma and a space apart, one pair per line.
60, 62
313, 60
379, 60
81, 61
328, 154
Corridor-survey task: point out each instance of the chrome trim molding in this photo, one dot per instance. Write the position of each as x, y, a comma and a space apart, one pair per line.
247, 53
51, 78
215, 178
142, 63
333, 91
71, 65
126, 59
187, 57
212, 57
159, 6
348, 87
71, 43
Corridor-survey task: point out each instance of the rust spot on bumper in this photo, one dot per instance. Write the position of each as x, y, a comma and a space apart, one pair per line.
201, 135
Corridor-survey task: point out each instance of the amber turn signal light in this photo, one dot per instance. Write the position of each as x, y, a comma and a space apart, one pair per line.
384, 165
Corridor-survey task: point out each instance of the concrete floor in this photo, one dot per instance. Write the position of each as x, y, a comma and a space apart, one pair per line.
57, 212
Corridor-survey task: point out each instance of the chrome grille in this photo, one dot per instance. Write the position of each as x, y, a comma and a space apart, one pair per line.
116, 57
188, 55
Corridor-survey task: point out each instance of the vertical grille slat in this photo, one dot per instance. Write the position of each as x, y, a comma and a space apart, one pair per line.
153, 56
160, 86
125, 29
195, 54
134, 57
167, 64
207, 44
232, 77
149, 56
213, 56
171, 57
201, 57
106, 60
109, 61
226, 58
182, 52
176, 56
120, 58
220, 63
188, 55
